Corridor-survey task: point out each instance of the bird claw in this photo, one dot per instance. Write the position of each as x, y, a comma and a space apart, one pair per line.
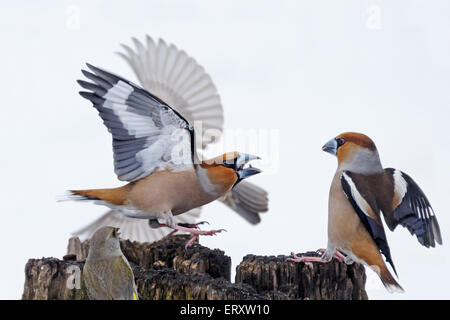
336, 254
300, 259
197, 233
306, 260
294, 258
170, 234
193, 225
191, 241
210, 232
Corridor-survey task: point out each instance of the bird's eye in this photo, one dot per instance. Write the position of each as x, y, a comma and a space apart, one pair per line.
340, 141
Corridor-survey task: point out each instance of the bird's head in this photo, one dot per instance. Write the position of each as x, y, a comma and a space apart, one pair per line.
105, 242
230, 168
354, 151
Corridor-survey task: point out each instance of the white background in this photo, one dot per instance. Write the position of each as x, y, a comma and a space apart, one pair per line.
309, 69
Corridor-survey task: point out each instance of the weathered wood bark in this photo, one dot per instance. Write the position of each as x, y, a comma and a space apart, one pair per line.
272, 276
53, 279
165, 270
166, 284
169, 253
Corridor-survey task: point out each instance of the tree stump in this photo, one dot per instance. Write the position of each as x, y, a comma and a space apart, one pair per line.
169, 253
165, 270
272, 276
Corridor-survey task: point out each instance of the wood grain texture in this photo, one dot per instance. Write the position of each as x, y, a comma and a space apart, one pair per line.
274, 276
164, 270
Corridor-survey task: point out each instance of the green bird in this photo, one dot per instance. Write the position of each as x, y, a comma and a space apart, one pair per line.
107, 274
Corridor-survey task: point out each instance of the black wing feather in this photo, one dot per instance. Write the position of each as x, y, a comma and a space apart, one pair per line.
134, 117
416, 214
375, 230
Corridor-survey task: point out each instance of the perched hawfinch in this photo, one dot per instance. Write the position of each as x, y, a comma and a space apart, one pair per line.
177, 79
154, 150
360, 189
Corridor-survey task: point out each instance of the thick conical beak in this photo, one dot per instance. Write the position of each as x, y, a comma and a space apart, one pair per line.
241, 161
248, 172
331, 146
243, 158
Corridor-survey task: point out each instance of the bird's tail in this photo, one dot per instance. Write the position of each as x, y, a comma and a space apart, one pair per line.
369, 254
114, 196
388, 279
248, 200
78, 195
133, 229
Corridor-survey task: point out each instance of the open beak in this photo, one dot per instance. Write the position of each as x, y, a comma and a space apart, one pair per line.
331, 147
247, 172
116, 232
241, 161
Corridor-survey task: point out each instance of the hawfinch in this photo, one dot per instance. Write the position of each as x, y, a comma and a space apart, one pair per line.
177, 79
154, 150
360, 189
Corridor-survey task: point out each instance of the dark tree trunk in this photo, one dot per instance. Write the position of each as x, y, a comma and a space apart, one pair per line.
165, 270
274, 275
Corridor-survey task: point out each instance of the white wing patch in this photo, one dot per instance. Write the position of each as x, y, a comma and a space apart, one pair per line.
176, 158
132, 228
400, 184
118, 92
360, 201
137, 125
145, 131
180, 81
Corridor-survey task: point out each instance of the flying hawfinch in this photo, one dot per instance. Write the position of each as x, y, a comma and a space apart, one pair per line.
154, 150
177, 79
360, 189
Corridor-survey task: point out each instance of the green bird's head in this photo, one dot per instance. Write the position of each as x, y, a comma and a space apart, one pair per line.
105, 243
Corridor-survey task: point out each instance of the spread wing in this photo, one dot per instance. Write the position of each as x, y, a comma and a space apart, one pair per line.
248, 200
148, 135
176, 78
133, 229
364, 202
411, 209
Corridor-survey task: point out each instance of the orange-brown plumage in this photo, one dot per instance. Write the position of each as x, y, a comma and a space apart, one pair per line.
172, 190
222, 176
228, 157
217, 171
115, 196
359, 139
353, 141
366, 250
359, 191
148, 137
